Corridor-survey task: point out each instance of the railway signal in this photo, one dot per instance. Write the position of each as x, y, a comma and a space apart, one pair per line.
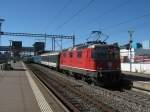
130, 47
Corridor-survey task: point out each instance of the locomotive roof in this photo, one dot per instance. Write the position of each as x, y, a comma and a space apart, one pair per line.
90, 45
84, 46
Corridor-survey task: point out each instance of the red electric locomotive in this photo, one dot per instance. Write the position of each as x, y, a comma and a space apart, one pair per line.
94, 61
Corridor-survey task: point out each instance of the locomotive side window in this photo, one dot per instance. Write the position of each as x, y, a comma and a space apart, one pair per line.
79, 54
71, 54
64, 54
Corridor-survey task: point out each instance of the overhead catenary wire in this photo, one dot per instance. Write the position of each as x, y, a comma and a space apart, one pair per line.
127, 21
94, 20
57, 15
120, 5
110, 10
76, 14
63, 8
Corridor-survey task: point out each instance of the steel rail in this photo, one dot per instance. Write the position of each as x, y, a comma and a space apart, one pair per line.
117, 99
59, 96
101, 106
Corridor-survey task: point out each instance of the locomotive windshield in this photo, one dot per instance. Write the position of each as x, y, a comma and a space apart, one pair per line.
105, 53
113, 53
100, 53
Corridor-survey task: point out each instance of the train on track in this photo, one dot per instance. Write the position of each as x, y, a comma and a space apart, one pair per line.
94, 61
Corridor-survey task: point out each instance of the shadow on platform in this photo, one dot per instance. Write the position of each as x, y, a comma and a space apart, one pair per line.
17, 69
136, 78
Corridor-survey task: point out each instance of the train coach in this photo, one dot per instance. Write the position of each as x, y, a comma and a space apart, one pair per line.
51, 59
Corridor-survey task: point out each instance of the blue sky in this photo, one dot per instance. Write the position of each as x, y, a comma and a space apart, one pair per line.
45, 16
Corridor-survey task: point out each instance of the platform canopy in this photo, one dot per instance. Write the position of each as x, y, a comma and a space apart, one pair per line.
25, 49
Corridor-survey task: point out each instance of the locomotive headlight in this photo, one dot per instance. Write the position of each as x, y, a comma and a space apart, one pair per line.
118, 68
99, 68
109, 64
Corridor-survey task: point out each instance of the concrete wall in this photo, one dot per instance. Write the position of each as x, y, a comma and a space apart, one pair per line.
126, 53
136, 67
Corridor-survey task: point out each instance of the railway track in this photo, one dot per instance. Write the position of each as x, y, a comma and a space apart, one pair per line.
71, 94
125, 100
140, 82
145, 99
87, 98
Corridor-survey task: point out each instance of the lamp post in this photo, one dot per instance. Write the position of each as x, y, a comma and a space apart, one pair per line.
130, 47
10, 49
1, 20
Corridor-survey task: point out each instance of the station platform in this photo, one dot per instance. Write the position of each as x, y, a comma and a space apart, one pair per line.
20, 93
136, 74
139, 80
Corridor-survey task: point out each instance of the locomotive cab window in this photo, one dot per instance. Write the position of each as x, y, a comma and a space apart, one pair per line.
99, 53
114, 53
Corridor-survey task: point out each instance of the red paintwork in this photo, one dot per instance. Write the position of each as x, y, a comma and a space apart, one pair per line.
86, 60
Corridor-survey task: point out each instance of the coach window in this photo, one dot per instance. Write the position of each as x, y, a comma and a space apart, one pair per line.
71, 54
79, 54
44, 58
47, 58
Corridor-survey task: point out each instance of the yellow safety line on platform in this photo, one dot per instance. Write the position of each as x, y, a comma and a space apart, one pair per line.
43, 104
